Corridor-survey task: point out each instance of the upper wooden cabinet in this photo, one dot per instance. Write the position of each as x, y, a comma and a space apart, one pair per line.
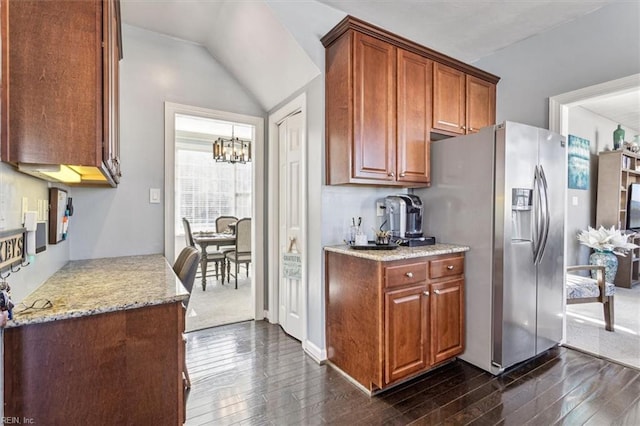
462, 103
60, 88
381, 100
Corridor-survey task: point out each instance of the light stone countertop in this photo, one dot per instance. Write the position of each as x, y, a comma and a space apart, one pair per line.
399, 253
94, 286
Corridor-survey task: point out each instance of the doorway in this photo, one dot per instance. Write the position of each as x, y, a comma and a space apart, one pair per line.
584, 323
201, 189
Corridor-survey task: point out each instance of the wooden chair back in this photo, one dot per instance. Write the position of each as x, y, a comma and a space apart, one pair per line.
188, 236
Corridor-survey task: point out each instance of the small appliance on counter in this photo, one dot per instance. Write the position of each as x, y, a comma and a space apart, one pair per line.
403, 214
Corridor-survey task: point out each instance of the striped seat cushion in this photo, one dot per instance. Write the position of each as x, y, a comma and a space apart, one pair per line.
579, 287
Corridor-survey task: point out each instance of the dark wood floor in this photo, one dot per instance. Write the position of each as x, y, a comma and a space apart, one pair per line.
254, 374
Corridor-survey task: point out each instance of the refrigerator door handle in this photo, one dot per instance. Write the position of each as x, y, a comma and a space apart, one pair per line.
536, 214
545, 214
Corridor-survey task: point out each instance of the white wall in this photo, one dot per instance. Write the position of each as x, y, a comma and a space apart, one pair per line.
13, 187
602, 46
599, 131
155, 69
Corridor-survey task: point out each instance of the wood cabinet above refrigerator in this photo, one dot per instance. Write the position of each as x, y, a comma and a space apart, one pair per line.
380, 105
60, 89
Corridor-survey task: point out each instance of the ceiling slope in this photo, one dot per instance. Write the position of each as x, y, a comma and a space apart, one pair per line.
245, 37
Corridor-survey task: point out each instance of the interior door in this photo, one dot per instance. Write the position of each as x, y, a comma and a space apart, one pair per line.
291, 140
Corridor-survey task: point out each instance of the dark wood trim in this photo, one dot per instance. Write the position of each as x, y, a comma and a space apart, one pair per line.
352, 23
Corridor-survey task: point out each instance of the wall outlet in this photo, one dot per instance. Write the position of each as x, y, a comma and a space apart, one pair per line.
380, 208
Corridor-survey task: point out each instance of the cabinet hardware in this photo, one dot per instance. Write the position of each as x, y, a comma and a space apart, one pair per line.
463, 127
409, 274
436, 291
450, 267
403, 174
471, 129
392, 174
426, 293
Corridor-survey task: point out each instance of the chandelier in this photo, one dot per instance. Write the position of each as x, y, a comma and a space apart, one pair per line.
233, 150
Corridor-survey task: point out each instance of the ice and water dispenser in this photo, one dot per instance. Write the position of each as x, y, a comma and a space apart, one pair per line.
521, 214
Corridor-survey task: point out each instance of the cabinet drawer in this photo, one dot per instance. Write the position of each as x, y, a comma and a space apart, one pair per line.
446, 267
399, 275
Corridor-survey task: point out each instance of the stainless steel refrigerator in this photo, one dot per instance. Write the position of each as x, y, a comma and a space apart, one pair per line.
501, 191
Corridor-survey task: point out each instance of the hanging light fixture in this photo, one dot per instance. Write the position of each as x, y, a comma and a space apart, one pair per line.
233, 150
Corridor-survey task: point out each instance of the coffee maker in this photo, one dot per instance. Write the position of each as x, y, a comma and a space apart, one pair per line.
403, 214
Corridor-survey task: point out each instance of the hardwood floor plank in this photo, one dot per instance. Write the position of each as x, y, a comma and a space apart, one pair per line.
600, 395
619, 404
254, 374
523, 390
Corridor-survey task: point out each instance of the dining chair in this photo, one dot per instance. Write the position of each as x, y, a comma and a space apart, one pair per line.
185, 268
241, 254
213, 256
223, 222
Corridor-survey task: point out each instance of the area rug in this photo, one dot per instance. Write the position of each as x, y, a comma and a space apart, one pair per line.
219, 304
585, 328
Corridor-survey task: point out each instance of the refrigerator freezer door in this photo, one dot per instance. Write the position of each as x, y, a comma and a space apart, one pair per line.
514, 284
552, 160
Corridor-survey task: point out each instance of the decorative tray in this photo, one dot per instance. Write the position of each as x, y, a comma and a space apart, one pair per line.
373, 246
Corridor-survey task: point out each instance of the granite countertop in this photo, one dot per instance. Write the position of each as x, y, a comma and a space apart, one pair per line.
399, 253
95, 286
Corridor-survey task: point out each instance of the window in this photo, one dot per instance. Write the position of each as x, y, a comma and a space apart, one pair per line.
206, 189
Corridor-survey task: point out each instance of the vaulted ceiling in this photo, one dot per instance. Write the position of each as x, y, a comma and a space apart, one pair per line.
272, 46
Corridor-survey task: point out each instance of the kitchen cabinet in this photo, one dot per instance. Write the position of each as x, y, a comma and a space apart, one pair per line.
107, 351
388, 321
380, 105
462, 103
60, 89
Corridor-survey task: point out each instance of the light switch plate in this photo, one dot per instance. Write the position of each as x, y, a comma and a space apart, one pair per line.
154, 195
574, 200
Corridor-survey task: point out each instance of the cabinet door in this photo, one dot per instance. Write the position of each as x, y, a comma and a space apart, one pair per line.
111, 93
54, 108
481, 104
448, 99
415, 78
406, 332
374, 109
447, 319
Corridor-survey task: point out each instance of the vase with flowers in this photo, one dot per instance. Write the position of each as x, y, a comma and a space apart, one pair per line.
606, 243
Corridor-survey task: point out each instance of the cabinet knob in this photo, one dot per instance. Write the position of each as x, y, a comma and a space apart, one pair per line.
391, 174
463, 127
471, 129
450, 267
426, 293
409, 274
436, 291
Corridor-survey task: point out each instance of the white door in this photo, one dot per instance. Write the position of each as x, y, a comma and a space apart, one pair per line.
291, 208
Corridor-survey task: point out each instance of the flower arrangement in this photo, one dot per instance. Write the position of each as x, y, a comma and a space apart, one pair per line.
603, 239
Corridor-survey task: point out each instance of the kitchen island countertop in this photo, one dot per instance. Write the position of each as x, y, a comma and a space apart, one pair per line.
399, 253
95, 286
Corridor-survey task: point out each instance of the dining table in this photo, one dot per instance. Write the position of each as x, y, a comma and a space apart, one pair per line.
206, 239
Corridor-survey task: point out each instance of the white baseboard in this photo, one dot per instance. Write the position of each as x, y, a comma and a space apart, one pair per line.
317, 354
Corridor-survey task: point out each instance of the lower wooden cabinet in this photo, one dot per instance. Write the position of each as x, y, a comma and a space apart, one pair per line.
116, 368
391, 320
